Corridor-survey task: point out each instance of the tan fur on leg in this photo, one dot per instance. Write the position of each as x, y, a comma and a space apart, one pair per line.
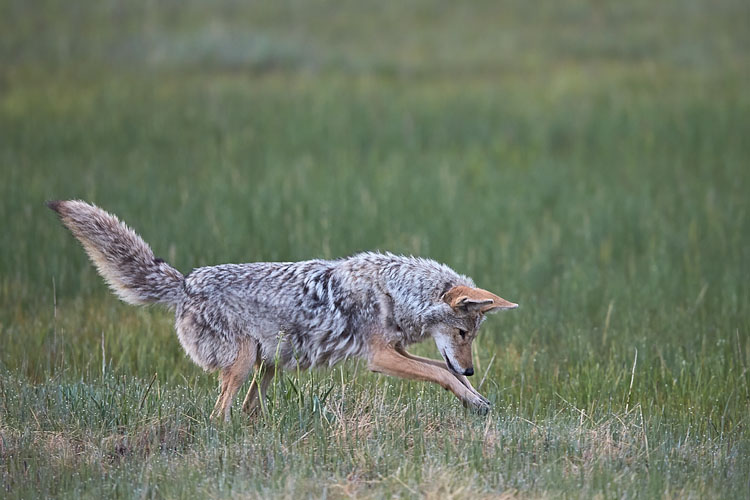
222, 390
436, 362
384, 358
234, 376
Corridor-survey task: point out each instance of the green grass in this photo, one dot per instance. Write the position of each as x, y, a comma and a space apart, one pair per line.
588, 160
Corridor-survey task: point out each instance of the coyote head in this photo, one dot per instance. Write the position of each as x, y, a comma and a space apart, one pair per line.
462, 312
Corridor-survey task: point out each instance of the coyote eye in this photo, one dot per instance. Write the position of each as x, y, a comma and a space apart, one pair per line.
462, 333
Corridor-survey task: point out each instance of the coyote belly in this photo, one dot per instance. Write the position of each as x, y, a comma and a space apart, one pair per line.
236, 317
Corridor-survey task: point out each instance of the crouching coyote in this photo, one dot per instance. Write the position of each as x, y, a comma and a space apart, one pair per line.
234, 317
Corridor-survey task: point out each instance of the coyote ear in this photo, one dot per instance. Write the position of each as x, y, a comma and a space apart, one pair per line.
466, 299
474, 305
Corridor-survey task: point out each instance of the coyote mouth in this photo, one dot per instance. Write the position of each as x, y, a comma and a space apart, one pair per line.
448, 362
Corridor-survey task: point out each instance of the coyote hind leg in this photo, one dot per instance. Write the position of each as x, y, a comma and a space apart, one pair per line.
254, 397
233, 376
222, 391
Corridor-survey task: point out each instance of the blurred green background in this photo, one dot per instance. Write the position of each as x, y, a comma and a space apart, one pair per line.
587, 159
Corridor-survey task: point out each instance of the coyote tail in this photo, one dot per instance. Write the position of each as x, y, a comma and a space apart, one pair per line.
125, 261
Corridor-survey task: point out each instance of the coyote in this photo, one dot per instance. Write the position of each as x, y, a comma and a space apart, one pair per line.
234, 317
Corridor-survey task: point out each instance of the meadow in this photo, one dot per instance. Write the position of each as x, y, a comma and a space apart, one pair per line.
588, 160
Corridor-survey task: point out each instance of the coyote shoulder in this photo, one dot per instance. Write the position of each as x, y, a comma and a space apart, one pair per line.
235, 317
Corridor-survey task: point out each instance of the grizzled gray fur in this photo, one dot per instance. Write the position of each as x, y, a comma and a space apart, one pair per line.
303, 314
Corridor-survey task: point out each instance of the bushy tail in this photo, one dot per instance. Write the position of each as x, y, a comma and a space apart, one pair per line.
122, 257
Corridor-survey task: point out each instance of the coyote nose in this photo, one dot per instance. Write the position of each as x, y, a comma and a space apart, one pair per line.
469, 372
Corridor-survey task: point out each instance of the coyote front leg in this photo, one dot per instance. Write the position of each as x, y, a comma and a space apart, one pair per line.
384, 358
436, 362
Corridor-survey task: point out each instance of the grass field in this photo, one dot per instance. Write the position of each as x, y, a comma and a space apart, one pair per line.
589, 160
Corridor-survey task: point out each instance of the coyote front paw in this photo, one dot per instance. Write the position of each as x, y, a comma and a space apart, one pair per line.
477, 402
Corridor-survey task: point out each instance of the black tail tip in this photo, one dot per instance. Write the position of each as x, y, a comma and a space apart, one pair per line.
54, 205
